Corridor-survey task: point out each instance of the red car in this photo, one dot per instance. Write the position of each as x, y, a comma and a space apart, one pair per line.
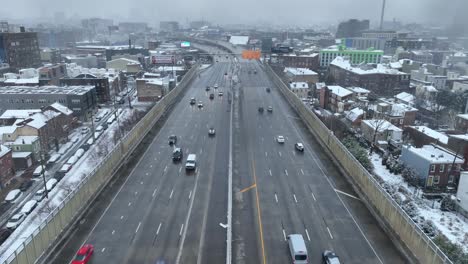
84, 254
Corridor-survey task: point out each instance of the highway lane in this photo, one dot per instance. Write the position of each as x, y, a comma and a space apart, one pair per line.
294, 192
159, 212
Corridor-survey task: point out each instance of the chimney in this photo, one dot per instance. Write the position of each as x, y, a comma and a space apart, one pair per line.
24, 142
22, 30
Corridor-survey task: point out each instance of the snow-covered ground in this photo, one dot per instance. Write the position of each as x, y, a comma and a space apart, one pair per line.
450, 224
80, 169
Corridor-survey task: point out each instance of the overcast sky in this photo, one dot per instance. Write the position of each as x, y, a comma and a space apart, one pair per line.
302, 12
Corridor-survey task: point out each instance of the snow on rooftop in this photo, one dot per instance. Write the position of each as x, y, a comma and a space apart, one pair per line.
339, 91
405, 97
61, 108
358, 90
354, 114
3, 150
299, 85
463, 116
33, 80
299, 71
380, 69
239, 40
434, 154
432, 133
20, 155
6, 130
381, 124
19, 113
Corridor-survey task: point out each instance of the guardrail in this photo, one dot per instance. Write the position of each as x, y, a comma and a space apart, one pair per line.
400, 224
63, 216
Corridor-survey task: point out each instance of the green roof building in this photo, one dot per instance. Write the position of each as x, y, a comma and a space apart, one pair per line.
355, 56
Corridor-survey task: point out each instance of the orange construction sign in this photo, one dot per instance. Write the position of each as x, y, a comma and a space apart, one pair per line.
251, 54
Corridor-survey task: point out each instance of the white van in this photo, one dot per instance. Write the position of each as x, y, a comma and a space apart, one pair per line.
191, 162
110, 120
90, 141
54, 158
297, 248
50, 184
13, 195
72, 160
28, 207
38, 171
99, 129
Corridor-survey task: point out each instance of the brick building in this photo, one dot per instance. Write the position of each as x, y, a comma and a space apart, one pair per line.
311, 62
433, 164
379, 79
100, 83
6, 165
52, 73
336, 98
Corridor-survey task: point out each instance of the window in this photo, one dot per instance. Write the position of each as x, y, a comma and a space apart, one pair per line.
436, 179
17, 148
451, 178
432, 168
442, 168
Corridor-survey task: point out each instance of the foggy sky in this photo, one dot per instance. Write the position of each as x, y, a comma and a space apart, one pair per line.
293, 12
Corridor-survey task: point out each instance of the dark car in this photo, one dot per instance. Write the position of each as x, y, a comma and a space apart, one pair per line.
59, 175
260, 109
177, 154
192, 101
172, 139
25, 185
268, 89
211, 96
4, 234
207, 88
330, 257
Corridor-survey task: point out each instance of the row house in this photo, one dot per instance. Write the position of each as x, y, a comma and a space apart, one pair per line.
6, 165
438, 168
336, 98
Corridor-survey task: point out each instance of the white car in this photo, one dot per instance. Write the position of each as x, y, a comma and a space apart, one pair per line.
216, 86
75, 139
280, 139
28, 207
13, 195
299, 146
15, 221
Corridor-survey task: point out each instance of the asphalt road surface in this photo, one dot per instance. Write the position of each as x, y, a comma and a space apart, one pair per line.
279, 191
161, 214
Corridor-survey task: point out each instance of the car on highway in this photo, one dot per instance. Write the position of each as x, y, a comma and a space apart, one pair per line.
299, 146
211, 96
330, 257
268, 89
216, 86
177, 154
84, 254
260, 109
191, 162
297, 249
207, 88
28, 207
15, 221
172, 139
270, 109
4, 234
193, 101
220, 94
13, 195
211, 131
26, 185
255, 72
280, 139
200, 104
